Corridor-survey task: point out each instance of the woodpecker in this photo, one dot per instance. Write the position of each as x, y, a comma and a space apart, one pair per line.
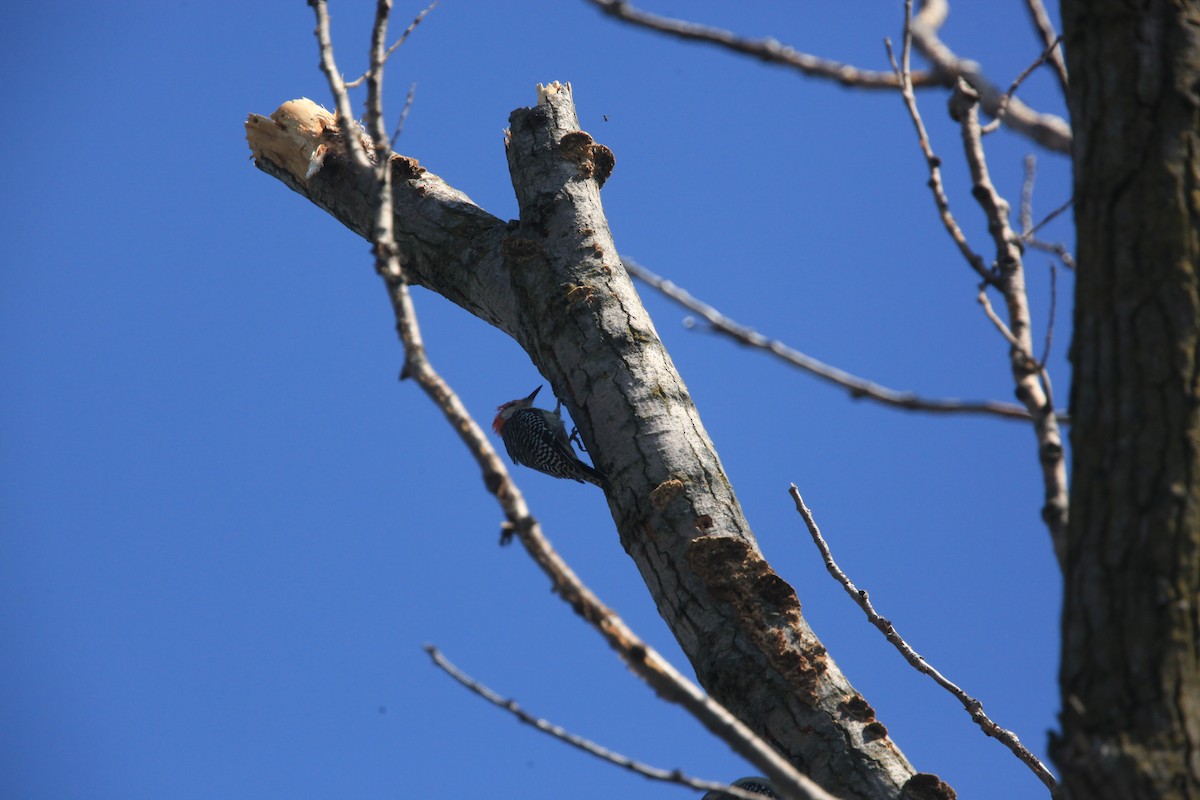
537, 438
756, 785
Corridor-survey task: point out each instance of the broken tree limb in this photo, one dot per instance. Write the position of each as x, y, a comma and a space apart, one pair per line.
553, 281
450, 245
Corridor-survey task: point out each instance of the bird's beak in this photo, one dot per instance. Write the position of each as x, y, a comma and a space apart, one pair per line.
530, 398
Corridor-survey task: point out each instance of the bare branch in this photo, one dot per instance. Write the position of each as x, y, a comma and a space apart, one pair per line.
374, 117
408, 101
1051, 216
1028, 229
1029, 376
403, 37
1007, 275
656, 671
1027, 185
1052, 315
1000, 324
1016, 84
387, 264
767, 49
858, 387
885, 626
347, 125
1056, 248
591, 748
1047, 130
1045, 29
940, 199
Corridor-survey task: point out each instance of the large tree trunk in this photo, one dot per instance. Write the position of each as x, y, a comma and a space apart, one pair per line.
1130, 674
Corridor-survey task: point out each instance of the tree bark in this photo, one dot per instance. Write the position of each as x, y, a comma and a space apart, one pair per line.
1130, 674
555, 283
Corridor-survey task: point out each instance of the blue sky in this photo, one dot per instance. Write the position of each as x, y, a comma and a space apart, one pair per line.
228, 530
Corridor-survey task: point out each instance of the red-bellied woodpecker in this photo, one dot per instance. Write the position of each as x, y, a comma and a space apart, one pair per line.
537, 439
756, 785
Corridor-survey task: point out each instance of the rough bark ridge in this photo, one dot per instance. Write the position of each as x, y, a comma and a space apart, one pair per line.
1130, 675
554, 282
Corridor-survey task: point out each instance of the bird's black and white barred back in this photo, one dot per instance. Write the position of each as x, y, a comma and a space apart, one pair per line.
537, 438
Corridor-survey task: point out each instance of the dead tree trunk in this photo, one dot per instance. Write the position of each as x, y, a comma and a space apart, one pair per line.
554, 282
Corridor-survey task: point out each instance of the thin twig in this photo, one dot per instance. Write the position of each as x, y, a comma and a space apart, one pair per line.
374, 117
1008, 95
1007, 275
389, 267
972, 705
403, 37
1026, 236
858, 387
999, 324
354, 145
766, 49
1027, 184
934, 163
1051, 216
1056, 248
591, 748
1028, 229
1047, 129
408, 101
1052, 314
1045, 29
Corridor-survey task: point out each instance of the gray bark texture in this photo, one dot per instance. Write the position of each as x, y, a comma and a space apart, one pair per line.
1130, 673
554, 282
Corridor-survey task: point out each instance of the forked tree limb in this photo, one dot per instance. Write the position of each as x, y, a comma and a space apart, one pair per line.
554, 282
1048, 130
